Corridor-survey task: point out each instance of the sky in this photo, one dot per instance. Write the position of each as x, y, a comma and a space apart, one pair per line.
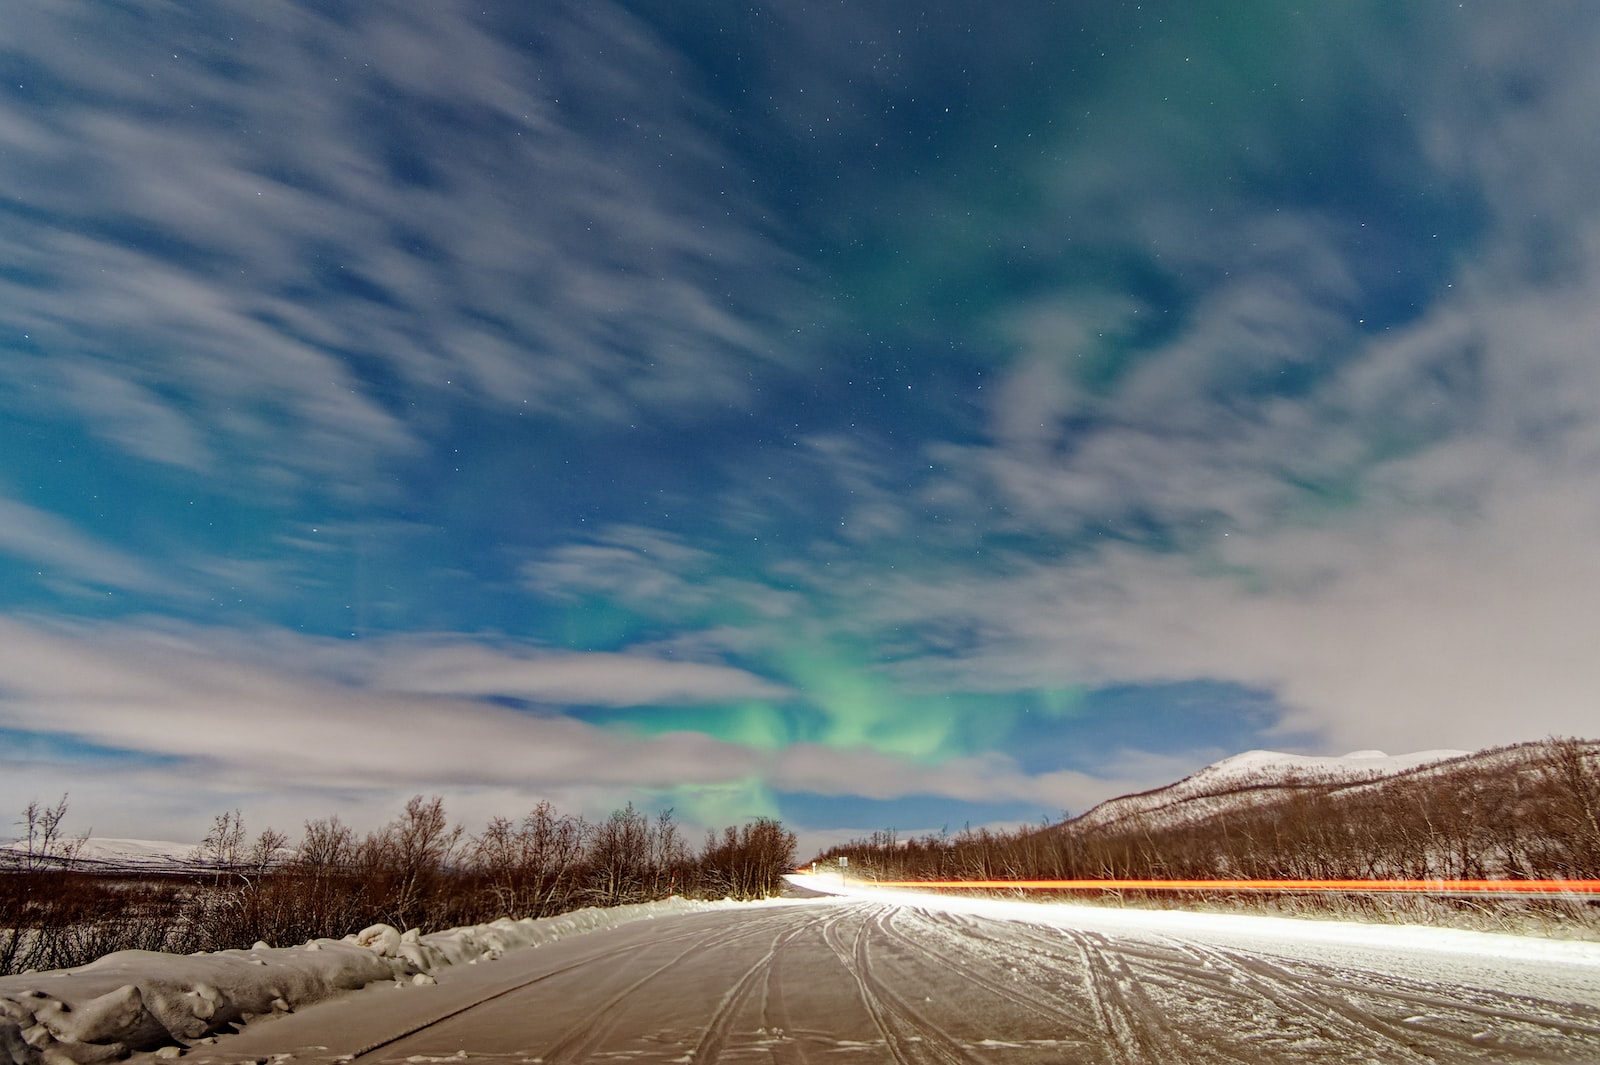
870, 414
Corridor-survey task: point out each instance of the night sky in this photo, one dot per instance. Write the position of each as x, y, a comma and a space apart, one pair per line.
873, 414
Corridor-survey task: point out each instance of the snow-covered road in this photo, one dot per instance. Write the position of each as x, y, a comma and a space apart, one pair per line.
855, 979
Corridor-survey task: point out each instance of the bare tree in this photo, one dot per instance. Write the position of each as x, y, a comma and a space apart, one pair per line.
266, 852
1571, 779
749, 862
413, 853
45, 845
619, 858
223, 845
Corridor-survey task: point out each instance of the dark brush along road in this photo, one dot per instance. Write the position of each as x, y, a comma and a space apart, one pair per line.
847, 981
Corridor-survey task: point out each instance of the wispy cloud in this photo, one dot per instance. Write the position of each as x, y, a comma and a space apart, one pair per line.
140, 690
987, 777
132, 416
569, 679
1428, 631
1265, 358
1403, 557
235, 207
68, 557
276, 712
661, 576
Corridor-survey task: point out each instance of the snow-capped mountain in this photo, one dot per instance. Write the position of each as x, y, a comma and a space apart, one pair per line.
1257, 766
1251, 778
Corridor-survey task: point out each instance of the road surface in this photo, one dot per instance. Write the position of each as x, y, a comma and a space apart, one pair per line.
852, 980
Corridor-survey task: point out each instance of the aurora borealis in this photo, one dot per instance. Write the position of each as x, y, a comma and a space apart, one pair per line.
878, 415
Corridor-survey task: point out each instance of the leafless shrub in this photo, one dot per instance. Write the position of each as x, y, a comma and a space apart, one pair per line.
417, 871
529, 867
45, 846
746, 862
1569, 783
1526, 811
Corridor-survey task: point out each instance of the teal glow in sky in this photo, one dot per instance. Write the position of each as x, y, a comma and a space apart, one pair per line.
873, 414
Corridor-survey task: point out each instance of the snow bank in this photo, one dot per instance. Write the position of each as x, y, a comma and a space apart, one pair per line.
138, 1000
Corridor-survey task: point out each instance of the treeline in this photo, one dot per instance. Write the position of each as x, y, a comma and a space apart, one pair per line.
417, 871
1526, 812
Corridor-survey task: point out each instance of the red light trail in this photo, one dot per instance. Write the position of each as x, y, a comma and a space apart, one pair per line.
1434, 887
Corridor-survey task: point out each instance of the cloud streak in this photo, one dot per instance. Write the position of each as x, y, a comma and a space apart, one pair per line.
139, 691
232, 716
67, 556
573, 679
809, 412
237, 199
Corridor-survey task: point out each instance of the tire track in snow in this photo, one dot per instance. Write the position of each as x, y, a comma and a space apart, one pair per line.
1158, 998
881, 1019
1051, 1007
580, 1041
713, 991
910, 1037
593, 1026
1584, 1022
775, 1011
1138, 1030
433, 1022
1425, 1042
1196, 992
719, 1027
1106, 1009
1340, 1022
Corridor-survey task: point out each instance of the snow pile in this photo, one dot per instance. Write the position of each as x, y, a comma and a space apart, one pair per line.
138, 1000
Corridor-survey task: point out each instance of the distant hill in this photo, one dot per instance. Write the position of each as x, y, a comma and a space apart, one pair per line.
1529, 810
1254, 778
1532, 809
105, 854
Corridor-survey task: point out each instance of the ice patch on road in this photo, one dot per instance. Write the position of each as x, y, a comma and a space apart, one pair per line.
137, 1000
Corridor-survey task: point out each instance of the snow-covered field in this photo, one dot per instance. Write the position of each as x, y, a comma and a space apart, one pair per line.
860, 976
110, 853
